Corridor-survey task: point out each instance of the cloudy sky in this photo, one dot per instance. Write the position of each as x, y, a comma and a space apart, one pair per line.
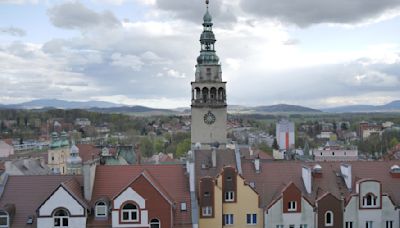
142, 52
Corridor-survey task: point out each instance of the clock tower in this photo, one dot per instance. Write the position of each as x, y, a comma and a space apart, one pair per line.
209, 108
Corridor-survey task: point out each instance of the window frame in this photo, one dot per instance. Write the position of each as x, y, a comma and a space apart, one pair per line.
331, 222
348, 224
207, 209
61, 218
97, 206
389, 223
373, 200
292, 205
369, 224
229, 196
252, 217
228, 219
4, 214
130, 211
152, 222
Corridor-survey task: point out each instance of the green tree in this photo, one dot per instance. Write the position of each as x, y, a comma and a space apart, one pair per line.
183, 147
393, 142
146, 147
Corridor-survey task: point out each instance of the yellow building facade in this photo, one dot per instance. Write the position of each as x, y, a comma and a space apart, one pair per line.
228, 201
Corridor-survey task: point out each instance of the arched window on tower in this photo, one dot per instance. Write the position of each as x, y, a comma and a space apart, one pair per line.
213, 94
205, 94
221, 94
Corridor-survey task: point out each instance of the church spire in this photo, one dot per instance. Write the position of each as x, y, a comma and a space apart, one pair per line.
207, 40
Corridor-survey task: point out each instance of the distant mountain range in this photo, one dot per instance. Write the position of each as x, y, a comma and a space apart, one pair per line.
393, 106
279, 108
108, 107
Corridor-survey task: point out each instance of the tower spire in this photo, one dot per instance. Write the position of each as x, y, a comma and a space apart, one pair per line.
207, 41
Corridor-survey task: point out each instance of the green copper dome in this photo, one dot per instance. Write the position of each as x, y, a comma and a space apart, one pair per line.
207, 40
207, 18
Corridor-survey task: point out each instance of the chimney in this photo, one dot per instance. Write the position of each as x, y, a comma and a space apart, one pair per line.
307, 178
395, 171
251, 153
89, 172
214, 157
257, 164
345, 170
317, 171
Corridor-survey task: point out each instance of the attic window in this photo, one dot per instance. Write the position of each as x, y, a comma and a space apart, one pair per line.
101, 209
252, 184
183, 206
29, 220
395, 169
4, 219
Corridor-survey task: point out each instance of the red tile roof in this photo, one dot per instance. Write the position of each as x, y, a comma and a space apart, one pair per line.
27, 193
111, 180
275, 176
88, 152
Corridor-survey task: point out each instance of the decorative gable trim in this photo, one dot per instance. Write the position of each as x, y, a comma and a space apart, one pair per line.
71, 194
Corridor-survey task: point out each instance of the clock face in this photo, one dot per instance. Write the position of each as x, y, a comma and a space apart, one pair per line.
209, 118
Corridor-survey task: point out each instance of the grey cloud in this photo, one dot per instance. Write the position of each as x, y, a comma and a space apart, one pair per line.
12, 31
189, 10
74, 15
305, 13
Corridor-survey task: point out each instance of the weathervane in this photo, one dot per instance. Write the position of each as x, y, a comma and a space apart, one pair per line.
207, 2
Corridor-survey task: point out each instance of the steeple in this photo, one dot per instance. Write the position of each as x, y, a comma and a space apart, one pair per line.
207, 40
209, 108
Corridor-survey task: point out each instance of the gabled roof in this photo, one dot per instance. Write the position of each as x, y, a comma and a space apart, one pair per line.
171, 179
27, 193
153, 182
73, 188
276, 175
225, 157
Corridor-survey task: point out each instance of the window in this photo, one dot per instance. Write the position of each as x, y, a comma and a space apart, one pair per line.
207, 211
349, 224
251, 219
229, 178
101, 209
206, 194
292, 206
228, 219
389, 224
368, 224
279, 226
329, 218
4, 219
183, 206
229, 196
60, 218
154, 223
369, 200
303, 225
130, 213
291, 226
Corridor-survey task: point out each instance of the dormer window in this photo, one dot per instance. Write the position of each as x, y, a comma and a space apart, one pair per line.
101, 209
329, 218
292, 206
4, 219
61, 218
229, 196
206, 211
369, 200
130, 213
